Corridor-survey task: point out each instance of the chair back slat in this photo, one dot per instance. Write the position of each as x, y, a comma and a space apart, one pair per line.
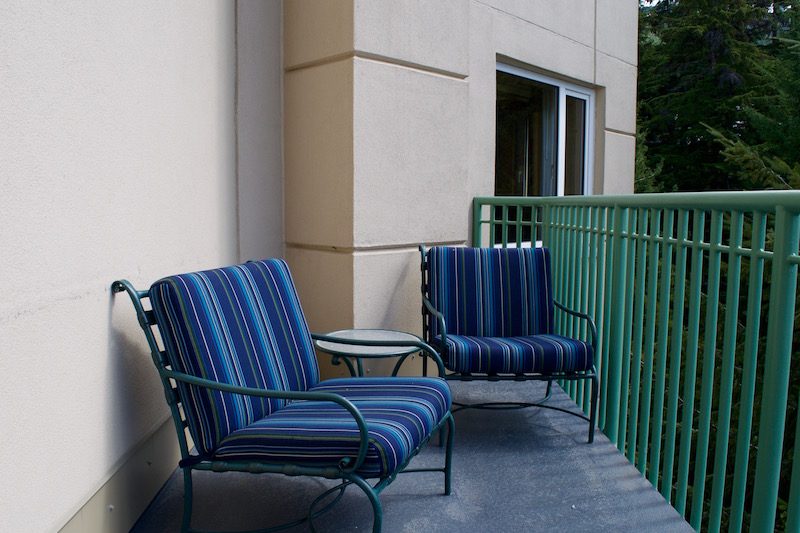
241, 325
491, 292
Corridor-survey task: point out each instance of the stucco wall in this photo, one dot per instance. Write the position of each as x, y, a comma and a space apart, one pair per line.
259, 127
117, 127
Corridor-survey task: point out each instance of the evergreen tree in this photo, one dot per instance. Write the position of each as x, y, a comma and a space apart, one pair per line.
715, 63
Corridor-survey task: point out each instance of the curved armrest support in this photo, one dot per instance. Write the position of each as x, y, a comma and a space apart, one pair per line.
584, 316
288, 395
146, 318
418, 343
136, 297
439, 318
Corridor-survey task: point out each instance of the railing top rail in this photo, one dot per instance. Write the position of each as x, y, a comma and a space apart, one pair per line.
764, 201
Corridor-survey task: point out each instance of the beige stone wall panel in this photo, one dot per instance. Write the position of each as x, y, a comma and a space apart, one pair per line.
388, 296
427, 34
318, 137
542, 50
410, 147
619, 80
571, 19
316, 31
482, 112
619, 163
618, 29
324, 283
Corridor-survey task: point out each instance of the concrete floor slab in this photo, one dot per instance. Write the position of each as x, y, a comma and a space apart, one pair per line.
513, 470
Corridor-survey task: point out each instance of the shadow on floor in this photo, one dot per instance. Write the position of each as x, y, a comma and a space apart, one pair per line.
513, 470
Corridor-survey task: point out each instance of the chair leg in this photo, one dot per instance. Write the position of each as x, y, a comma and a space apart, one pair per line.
445, 429
593, 413
377, 511
448, 458
187, 498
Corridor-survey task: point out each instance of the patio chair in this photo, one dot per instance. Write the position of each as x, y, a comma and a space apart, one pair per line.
240, 374
490, 312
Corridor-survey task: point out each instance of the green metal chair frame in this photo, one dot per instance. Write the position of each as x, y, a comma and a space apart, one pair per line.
430, 312
346, 470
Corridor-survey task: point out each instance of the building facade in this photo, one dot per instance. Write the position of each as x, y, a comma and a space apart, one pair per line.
390, 112
150, 138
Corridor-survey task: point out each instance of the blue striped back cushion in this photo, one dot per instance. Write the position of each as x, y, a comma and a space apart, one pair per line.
241, 325
491, 292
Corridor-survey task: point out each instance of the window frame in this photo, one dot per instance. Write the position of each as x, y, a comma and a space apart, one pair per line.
565, 89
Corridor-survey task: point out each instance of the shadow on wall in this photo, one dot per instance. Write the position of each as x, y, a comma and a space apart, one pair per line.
135, 399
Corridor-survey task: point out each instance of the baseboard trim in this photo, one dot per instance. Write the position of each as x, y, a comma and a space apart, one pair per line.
122, 499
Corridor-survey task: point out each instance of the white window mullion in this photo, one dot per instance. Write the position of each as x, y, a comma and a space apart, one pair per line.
562, 142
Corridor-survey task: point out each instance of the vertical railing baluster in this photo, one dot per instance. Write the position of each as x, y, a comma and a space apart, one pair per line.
558, 262
749, 369
793, 511
661, 353
592, 288
726, 374
709, 355
675, 351
564, 257
583, 250
625, 351
656, 222
569, 252
690, 369
572, 276
638, 329
601, 309
776, 374
615, 308
548, 238
505, 224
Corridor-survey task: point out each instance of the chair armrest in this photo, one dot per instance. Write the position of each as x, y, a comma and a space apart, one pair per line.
289, 395
439, 318
584, 316
418, 343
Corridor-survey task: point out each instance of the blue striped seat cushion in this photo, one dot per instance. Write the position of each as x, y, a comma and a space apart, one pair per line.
241, 325
400, 412
541, 354
491, 292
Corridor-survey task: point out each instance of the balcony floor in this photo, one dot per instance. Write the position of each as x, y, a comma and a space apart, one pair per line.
513, 470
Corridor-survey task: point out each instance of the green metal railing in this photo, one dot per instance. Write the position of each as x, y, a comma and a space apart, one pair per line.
695, 298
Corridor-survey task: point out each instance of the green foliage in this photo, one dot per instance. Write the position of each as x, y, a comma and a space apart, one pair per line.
645, 176
754, 169
727, 64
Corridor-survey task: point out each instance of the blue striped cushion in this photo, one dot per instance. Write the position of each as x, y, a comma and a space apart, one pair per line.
241, 325
491, 292
400, 413
541, 354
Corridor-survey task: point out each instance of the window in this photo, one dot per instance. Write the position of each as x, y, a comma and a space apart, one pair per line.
543, 140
